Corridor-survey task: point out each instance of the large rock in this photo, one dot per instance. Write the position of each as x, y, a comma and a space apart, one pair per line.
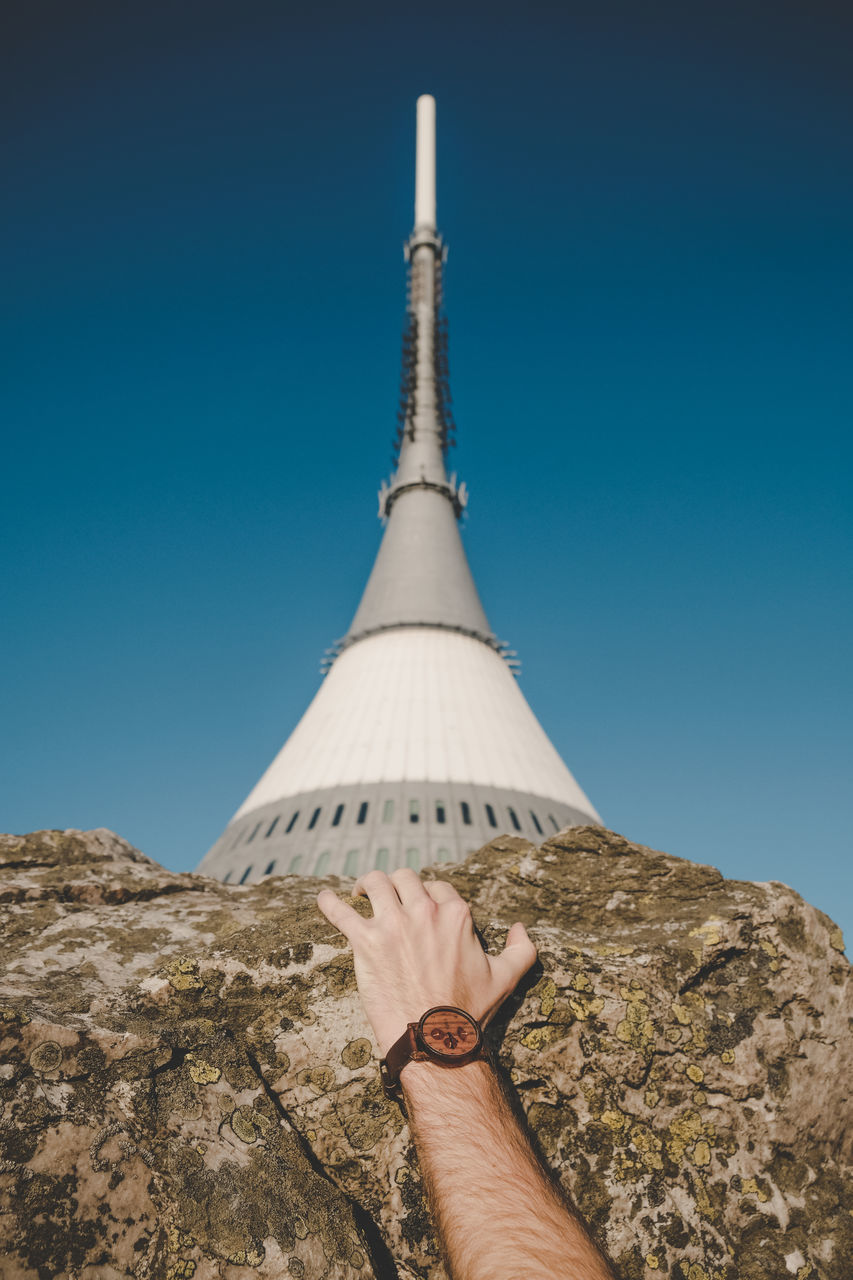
189, 1087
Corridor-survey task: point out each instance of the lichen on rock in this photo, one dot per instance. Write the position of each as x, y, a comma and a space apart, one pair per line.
189, 1088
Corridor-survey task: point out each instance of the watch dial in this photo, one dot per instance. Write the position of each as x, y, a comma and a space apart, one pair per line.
449, 1033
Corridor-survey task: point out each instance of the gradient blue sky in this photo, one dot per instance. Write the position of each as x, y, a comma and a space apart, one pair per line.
649, 212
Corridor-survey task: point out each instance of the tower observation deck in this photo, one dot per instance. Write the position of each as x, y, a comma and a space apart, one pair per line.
419, 745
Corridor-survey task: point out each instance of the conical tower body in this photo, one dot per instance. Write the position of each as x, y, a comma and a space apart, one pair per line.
419, 745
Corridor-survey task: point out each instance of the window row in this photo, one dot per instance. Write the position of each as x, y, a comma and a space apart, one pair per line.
414, 816
351, 864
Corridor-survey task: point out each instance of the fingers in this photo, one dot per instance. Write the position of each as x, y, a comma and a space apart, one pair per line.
343, 917
409, 886
441, 891
378, 889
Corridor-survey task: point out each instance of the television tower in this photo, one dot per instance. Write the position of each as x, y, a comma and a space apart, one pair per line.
419, 745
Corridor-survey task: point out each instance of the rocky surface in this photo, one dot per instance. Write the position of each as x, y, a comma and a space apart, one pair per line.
188, 1086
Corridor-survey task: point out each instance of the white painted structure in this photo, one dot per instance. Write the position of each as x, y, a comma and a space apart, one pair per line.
419, 745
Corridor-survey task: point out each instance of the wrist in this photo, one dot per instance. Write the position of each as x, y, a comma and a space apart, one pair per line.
424, 1081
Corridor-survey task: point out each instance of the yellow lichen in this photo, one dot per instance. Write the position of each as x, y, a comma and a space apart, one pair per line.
539, 1037
183, 974
673, 1034
682, 1014
699, 1097
183, 1269
750, 1187
702, 1153
768, 947
202, 1072
649, 1146
697, 1273
615, 1120
836, 939
709, 932
694, 1073
651, 1097
584, 1007
727, 1056
580, 982
546, 991
682, 1133
652, 1261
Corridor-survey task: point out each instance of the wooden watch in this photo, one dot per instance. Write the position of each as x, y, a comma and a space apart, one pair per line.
445, 1035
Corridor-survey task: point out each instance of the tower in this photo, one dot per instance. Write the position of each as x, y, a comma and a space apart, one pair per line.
419, 745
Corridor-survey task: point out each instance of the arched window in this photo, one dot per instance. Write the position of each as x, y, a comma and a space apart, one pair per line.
292, 823
295, 864
245, 876
553, 821
536, 823
490, 814
270, 868
351, 864
466, 812
513, 817
414, 811
388, 811
314, 816
381, 863
413, 859
339, 813
440, 813
322, 863
254, 833
271, 828
362, 812
227, 877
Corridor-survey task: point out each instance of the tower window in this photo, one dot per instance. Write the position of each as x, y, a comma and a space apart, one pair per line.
388, 811
440, 814
252, 836
314, 816
490, 814
245, 876
227, 877
270, 868
271, 828
413, 859
466, 812
553, 821
295, 864
322, 863
362, 812
351, 864
381, 863
237, 839
536, 823
414, 811
292, 823
339, 813
513, 817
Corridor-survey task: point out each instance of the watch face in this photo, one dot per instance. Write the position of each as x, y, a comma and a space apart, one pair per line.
449, 1033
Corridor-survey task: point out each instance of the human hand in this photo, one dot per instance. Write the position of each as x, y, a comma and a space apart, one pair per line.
419, 949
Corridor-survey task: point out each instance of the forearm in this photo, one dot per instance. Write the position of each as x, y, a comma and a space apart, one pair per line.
498, 1213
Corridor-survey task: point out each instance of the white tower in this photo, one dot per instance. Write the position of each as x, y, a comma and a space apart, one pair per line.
419, 745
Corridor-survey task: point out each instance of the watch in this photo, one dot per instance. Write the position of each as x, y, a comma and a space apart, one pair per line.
445, 1035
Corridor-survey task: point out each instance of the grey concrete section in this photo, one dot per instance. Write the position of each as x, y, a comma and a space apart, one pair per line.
389, 825
421, 574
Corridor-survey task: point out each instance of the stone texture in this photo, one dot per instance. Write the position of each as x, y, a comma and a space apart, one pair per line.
188, 1086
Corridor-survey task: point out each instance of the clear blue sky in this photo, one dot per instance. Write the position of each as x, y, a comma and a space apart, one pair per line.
649, 211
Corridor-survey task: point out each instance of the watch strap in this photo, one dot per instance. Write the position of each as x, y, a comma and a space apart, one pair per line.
402, 1051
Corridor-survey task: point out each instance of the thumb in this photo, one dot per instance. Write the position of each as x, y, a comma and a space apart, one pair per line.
516, 958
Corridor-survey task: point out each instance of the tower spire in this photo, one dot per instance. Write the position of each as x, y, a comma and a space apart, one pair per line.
421, 575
